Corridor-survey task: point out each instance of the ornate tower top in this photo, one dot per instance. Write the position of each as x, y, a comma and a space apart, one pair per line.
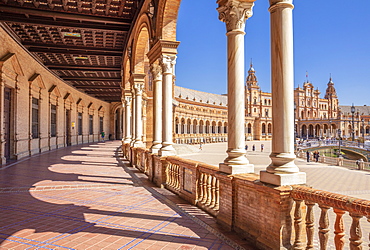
330, 90
251, 78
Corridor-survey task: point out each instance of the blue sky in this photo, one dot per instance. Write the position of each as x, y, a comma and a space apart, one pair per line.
330, 37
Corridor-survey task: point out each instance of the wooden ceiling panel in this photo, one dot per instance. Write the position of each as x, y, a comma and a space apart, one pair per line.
81, 41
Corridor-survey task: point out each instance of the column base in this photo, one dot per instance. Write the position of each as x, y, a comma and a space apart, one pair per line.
236, 169
127, 141
283, 179
2, 161
167, 151
138, 144
155, 148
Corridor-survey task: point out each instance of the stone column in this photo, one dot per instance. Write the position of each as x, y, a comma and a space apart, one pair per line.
133, 116
157, 107
2, 137
138, 86
282, 170
127, 102
234, 13
168, 62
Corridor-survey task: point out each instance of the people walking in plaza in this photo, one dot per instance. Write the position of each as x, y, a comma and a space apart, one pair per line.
308, 156
246, 147
262, 146
201, 146
254, 147
317, 156
102, 135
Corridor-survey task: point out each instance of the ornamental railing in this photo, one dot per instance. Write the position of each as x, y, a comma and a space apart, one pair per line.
329, 222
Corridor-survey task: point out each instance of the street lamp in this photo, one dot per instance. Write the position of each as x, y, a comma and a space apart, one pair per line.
353, 121
340, 141
363, 128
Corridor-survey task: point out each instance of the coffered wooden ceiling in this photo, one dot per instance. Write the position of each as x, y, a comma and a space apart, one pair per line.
81, 41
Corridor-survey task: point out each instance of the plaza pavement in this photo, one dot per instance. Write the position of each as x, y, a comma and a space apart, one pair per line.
88, 197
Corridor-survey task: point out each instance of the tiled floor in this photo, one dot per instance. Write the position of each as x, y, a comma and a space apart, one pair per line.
87, 197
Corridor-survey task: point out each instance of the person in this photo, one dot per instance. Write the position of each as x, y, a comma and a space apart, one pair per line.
201, 146
317, 156
102, 135
254, 147
262, 146
246, 147
308, 156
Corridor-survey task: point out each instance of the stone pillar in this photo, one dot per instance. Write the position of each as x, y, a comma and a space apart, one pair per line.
2, 137
138, 86
234, 13
127, 101
157, 107
282, 170
168, 62
133, 115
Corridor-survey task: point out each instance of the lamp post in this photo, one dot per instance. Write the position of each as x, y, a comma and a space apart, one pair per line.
353, 121
340, 141
363, 128
330, 132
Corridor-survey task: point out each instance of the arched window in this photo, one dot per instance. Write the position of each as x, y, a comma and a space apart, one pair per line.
263, 128
249, 131
269, 129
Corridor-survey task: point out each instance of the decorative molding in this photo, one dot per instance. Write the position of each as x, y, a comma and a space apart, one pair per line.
234, 13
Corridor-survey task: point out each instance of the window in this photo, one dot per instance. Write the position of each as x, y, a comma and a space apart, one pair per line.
35, 118
53, 120
101, 124
91, 124
79, 123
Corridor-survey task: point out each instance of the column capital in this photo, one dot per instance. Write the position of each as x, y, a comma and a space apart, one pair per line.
156, 71
275, 4
234, 13
168, 62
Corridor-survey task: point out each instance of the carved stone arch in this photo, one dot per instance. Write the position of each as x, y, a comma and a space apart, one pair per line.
167, 20
36, 80
141, 46
114, 107
126, 73
11, 62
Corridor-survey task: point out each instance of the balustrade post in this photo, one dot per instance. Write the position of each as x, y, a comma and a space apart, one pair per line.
339, 229
324, 227
355, 233
310, 220
298, 225
200, 187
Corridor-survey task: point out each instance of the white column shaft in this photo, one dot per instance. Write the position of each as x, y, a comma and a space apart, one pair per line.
168, 62
157, 113
128, 120
282, 170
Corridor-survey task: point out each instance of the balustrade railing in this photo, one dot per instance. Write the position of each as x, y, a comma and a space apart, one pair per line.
345, 229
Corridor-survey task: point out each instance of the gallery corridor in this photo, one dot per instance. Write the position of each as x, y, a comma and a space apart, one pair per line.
87, 197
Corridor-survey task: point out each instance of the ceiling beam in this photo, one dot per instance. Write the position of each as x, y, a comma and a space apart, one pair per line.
82, 67
97, 86
76, 18
62, 50
63, 24
97, 79
71, 47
